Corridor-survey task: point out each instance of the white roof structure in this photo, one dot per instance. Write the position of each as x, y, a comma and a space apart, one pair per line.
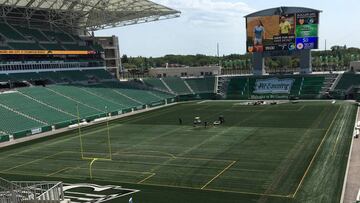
87, 14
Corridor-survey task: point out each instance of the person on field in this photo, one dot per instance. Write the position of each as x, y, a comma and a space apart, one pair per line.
180, 121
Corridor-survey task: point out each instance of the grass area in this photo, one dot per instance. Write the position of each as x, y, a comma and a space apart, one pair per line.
279, 153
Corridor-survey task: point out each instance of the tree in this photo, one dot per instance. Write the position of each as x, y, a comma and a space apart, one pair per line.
124, 59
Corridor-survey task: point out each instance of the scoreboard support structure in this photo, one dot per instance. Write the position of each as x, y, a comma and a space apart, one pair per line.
258, 60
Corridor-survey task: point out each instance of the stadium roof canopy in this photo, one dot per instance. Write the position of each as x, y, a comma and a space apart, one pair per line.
88, 14
282, 11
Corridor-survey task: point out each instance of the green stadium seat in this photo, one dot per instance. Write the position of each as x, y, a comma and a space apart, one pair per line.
24, 46
74, 75
52, 46
32, 32
87, 97
202, 85
10, 33
347, 80
58, 101
33, 108
3, 47
4, 78
76, 47
60, 36
24, 76
99, 73
54, 76
12, 122
155, 83
40, 107
177, 85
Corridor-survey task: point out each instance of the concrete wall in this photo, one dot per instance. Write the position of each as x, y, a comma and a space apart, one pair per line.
355, 66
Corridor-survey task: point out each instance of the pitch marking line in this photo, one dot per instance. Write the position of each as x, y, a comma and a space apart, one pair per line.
316, 152
98, 159
145, 179
249, 193
159, 185
129, 153
344, 118
219, 190
33, 161
59, 171
219, 174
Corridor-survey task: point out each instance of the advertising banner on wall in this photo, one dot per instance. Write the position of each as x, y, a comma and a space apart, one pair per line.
45, 52
273, 86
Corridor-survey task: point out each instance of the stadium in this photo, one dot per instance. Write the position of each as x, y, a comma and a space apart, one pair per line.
72, 130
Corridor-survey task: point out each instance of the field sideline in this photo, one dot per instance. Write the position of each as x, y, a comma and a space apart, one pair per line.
279, 153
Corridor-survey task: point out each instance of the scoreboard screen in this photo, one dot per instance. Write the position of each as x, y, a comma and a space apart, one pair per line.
288, 32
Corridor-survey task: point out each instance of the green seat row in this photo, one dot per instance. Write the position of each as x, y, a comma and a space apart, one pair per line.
202, 85
177, 85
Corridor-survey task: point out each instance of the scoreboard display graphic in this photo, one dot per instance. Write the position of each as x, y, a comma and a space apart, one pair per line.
288, 32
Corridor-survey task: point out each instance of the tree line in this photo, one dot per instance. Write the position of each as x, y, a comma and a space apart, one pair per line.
337, 58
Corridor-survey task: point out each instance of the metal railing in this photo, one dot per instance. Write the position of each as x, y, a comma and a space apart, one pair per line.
27, 191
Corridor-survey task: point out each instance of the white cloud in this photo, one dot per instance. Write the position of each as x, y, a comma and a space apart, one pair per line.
211, 12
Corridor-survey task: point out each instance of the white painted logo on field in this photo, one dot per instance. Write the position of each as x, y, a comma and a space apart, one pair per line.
91, 193
273, 86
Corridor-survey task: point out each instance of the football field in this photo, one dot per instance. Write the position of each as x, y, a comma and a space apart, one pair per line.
271, 153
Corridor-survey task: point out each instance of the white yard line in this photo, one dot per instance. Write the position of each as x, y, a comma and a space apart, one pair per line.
348, 191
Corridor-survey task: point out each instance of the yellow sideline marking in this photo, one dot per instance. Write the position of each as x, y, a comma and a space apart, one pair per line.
218, 190
316, 152
159, 185
145, 179
219, 174
33, 161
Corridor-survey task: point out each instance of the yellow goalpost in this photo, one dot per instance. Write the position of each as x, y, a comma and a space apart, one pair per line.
93, 159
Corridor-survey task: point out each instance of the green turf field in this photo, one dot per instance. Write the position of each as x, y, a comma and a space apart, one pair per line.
281, 153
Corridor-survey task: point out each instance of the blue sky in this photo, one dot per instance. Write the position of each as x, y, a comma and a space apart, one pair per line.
203, 23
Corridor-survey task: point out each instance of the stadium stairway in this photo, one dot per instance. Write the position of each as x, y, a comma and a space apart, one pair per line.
37, 111
118, 105
338, 78
188, 86
222, 89
86, 97
156, 84
328, 83
111, 94
177, 85
47, 105
167, 86
14, 121
59, 101
201, 85
74, 100
347, 80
